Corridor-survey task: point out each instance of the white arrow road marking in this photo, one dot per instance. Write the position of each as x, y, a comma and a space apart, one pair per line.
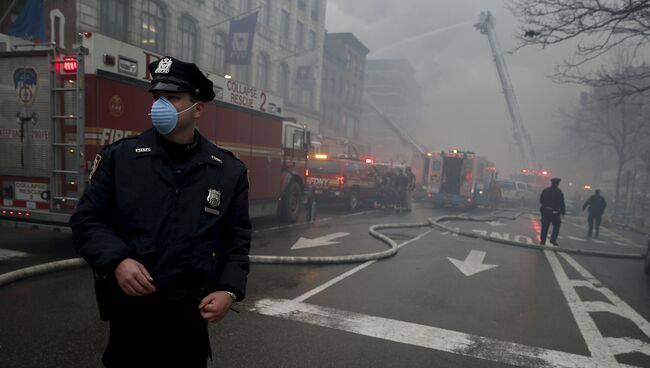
473, 264
495, 223
317, 242
429, 337
575, 238
6, 254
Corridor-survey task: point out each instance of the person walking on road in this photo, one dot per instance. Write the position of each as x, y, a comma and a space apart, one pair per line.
410, 187
597, 205
495, 194
164, 224
552, 208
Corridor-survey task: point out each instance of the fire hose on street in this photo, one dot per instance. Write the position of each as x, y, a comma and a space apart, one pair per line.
436, 223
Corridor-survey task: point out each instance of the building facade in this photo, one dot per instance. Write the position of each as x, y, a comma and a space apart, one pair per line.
287, 49
391, 110
392, 85
344, 58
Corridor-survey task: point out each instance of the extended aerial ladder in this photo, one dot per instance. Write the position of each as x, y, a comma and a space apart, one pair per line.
486, 26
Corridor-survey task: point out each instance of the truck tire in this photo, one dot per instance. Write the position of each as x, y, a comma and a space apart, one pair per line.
647, 260
353, 200
291, 202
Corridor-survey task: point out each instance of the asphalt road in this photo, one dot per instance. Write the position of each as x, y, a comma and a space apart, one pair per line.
443, 300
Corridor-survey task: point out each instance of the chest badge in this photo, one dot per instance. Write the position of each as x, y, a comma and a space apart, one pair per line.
214, 197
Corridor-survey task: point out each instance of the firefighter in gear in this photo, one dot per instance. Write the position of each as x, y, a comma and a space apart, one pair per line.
552, 208
164, 224
597, 205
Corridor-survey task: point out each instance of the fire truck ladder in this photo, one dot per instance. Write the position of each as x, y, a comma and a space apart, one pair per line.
521, 137
67, 112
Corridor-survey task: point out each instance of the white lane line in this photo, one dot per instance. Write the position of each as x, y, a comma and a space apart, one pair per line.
349, 273
6, 254
596, 344
575, 238
618, 238
619, 307
429, 337
628, 345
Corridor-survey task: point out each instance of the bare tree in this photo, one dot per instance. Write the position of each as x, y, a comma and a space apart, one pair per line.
620, 127
598, 27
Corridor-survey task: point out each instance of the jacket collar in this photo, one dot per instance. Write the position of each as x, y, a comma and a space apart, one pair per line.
147, 145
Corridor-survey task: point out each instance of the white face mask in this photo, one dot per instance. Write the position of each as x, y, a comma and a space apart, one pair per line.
164, 116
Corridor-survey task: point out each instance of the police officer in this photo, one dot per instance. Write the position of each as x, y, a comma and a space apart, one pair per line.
409, 178
552, 201
164, 224
597, 205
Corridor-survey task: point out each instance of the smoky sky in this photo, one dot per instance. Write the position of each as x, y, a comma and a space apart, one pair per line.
464, 105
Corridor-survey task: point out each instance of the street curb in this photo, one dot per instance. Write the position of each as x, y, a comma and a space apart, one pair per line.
436, 223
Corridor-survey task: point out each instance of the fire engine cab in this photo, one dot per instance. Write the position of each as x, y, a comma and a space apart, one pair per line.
342, 179
58, 111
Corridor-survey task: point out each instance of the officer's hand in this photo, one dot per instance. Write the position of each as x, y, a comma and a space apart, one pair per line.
133, 278
215, 306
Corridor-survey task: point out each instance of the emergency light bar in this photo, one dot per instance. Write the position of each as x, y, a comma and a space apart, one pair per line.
320, 156
14, 213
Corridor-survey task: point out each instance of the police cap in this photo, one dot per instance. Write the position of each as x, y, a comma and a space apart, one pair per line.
555, 180
173, 75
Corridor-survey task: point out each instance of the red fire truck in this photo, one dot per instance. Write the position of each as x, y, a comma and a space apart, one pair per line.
57, 111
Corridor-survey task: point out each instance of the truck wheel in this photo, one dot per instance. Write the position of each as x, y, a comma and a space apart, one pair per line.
647, 261
291, 202
353, 200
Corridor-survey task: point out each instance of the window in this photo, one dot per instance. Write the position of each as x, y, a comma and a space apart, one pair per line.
242, 73
219, 47
300, 35
266, 13
353, 167
315, 10
114, 18
507, 185
187, 39
323, 166
283, 81
284, 24
302, 5
312, 40
153, 27
262, 78
245, 5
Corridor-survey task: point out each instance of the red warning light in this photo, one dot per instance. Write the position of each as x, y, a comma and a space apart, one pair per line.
27, 214
69, 64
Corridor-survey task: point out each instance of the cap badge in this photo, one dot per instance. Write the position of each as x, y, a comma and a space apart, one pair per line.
163, 66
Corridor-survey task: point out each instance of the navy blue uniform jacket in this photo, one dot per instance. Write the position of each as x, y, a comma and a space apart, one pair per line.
189, 229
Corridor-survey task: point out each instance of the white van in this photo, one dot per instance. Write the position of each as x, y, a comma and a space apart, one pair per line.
514, 192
